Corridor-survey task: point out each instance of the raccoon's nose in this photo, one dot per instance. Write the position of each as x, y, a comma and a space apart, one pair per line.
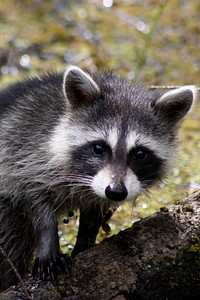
116, 192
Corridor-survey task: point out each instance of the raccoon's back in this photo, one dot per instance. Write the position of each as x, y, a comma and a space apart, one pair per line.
33, 97
31, 108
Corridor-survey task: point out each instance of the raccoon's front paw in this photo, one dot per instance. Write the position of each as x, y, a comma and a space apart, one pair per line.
49, 268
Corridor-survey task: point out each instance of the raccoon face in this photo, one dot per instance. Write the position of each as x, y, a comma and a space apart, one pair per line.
120, 167
117, 138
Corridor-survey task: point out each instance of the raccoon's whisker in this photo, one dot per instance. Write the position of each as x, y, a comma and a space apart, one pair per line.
73, 179
76, 191
67, 182
147, 193
60, 205
150, 179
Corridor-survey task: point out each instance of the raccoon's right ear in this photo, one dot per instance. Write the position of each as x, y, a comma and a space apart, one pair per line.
174, 105
79, 88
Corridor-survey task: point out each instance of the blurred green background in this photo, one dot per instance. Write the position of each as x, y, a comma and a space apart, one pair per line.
156, 42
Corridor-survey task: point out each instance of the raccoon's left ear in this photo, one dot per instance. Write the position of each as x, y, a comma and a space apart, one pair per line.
79, 88
175, 104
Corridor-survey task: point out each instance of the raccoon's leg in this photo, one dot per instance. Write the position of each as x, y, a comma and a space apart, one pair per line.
16, 241
90, 221
49, 258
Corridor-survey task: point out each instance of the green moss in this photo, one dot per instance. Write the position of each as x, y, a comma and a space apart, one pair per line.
195, 248
188, 208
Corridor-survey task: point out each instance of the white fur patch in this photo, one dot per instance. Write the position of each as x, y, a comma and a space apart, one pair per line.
65, 137
132, 184
112, 137
159, 148
131, 140
102, 179
105, 177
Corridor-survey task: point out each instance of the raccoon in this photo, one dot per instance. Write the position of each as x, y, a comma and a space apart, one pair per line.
77, 141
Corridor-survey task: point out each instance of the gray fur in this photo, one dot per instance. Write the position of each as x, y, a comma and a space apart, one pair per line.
45, 167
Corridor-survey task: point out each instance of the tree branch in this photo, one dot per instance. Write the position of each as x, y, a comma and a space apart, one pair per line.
157, 258
168, 87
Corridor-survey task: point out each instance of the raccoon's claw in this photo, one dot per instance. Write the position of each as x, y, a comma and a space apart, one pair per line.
48, 269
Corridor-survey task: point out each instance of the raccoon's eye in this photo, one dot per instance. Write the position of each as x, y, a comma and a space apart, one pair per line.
98, 149
139, 153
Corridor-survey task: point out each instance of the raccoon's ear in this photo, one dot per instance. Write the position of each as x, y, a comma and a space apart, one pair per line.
175, 104
79, 88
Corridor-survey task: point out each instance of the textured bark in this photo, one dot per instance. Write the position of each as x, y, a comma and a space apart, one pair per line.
157, 258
